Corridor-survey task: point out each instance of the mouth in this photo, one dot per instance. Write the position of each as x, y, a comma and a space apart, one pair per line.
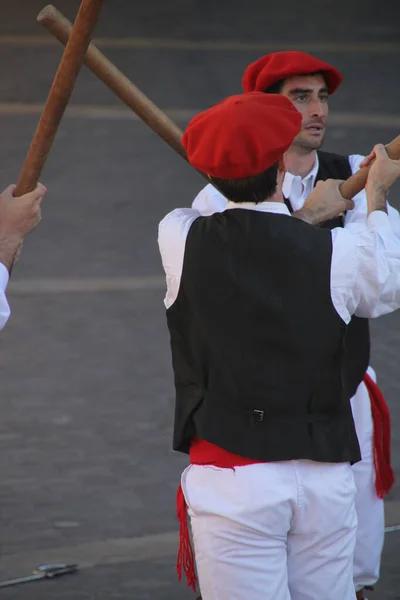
315, 128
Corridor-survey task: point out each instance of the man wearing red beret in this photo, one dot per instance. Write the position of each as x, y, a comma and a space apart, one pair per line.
308, 82
257, 307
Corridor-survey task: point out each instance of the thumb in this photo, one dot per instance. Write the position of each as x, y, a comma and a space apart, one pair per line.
380, 151
38, 193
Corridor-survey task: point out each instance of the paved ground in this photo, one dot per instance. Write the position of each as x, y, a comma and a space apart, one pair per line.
87, 471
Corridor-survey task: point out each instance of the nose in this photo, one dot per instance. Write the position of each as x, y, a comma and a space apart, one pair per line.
316, 109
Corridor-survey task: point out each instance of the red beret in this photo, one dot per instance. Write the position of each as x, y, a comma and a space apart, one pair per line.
270, 69
242, 135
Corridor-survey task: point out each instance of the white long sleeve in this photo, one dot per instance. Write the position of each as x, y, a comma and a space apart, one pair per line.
365, 268
4, 306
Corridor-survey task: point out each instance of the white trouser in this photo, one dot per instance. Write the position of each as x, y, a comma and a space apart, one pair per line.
273, 531
370, 510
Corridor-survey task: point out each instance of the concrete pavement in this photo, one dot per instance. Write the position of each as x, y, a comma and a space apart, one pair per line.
87, 395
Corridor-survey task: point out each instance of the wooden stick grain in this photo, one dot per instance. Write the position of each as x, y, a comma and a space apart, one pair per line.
60, 92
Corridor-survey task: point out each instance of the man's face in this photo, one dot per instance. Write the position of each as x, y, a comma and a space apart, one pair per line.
309, 94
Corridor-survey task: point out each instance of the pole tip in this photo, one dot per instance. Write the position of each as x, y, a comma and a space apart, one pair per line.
48, 13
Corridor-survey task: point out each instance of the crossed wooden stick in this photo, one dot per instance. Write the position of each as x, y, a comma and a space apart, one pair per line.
79, 50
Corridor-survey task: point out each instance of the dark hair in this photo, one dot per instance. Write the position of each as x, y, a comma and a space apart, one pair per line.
256, 188
276, 87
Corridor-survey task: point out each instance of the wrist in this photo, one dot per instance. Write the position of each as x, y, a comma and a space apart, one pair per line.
307, 215
376, 197
11, 238
9, 245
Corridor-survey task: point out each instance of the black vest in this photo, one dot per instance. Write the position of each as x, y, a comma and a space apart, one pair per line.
257, 344
357, 343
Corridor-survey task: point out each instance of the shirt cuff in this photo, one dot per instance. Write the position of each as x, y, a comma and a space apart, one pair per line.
4, 277
378, 219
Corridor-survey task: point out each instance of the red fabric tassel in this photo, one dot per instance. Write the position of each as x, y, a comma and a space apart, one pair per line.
385, 478
201, 453
185, 554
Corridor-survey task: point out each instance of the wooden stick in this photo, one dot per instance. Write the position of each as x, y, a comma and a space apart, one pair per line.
60, 92
146, 110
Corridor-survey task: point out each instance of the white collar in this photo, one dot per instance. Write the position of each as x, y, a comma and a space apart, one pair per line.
272, 207
289, 178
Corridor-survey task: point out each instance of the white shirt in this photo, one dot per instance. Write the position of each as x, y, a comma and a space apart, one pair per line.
4, 307
365, 266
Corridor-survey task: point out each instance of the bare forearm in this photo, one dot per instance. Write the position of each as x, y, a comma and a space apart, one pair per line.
8, 250
308, 215
376, 198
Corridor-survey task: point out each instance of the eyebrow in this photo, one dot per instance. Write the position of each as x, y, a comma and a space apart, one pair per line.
306, 91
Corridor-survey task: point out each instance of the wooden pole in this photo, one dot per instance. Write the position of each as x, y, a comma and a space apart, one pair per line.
60, 92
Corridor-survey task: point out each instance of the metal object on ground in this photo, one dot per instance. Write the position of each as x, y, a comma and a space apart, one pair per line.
43, 572
392, 528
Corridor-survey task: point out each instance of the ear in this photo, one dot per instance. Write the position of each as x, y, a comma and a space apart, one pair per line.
281, 170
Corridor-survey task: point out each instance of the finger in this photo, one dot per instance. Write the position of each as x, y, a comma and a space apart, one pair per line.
9, 191
337, 182
37, 194
37, 202
367, 160
348, 204
41, 188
